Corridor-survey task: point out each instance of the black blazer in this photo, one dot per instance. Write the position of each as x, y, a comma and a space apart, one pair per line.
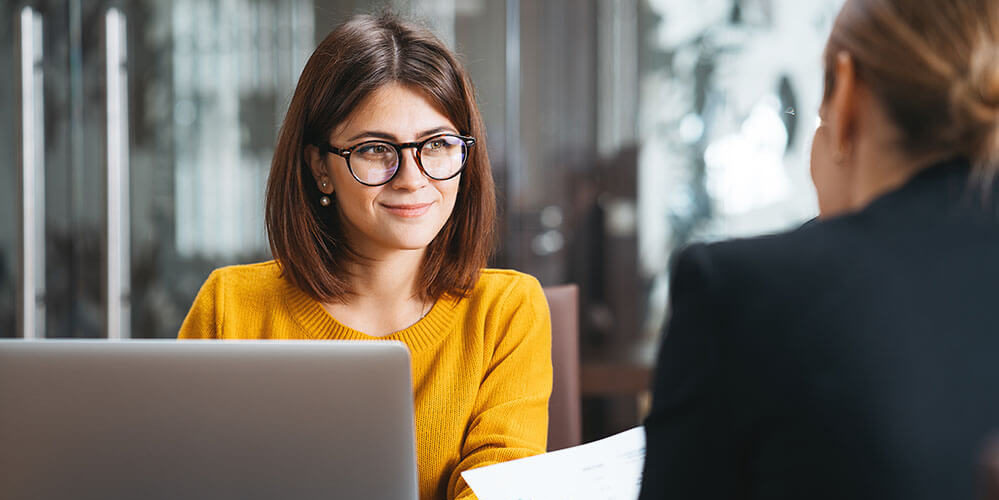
851, 358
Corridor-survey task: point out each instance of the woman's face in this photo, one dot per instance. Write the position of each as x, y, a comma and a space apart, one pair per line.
408, 211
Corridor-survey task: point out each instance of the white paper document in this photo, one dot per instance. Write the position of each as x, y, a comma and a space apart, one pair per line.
609, 469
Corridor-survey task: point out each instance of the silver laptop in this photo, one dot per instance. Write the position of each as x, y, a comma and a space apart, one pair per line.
206, 420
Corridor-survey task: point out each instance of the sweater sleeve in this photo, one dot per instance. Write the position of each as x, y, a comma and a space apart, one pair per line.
510, 417
204, 320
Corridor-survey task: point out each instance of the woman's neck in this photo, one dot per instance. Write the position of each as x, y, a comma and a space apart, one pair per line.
881, 163
389, 278
385, 297
885, 170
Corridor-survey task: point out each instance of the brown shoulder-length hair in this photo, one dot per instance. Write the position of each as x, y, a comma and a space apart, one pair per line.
934, 65
359, 56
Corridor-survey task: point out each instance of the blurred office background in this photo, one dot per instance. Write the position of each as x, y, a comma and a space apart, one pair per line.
138, 135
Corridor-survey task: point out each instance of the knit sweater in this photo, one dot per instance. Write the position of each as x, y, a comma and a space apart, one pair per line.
481, 365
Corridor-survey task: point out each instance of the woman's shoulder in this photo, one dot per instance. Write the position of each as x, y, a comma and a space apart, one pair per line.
258, 270
233, 295
507, 300
260, 276
505, 279
776, 272
506, 285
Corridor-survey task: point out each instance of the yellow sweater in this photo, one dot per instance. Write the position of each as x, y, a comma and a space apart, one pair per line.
482, 368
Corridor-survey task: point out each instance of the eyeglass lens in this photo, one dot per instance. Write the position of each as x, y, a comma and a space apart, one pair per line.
376, 162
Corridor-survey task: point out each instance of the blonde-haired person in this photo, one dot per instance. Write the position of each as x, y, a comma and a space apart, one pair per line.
380, 214
857, 356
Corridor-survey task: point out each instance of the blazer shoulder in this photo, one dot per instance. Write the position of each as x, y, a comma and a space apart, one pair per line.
806, 252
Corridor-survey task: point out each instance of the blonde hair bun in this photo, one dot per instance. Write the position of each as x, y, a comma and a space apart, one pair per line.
975, 105
934, 64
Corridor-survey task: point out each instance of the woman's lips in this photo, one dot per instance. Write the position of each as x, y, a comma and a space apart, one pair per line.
407, 209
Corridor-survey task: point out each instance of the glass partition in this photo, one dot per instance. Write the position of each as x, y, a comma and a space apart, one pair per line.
730, 95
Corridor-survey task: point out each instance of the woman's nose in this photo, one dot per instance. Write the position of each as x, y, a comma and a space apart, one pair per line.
410, 175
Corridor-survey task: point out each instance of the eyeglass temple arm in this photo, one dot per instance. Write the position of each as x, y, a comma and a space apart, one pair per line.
328, 148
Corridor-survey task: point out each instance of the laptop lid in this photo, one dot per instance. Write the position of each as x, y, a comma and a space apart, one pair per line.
206, 419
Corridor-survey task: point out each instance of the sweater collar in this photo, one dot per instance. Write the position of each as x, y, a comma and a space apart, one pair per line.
318, 324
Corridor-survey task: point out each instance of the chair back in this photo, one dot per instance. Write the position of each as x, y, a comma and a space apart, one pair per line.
565, 427
990, 469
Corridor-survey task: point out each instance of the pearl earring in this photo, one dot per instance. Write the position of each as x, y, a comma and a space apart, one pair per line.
325, 199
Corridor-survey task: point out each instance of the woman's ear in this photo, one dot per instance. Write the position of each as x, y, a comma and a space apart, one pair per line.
316, 165
842, 107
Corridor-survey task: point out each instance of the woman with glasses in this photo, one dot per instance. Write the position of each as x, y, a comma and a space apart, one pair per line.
380, 215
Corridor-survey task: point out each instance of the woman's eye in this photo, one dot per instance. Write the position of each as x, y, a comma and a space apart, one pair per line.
374, 149
438, 144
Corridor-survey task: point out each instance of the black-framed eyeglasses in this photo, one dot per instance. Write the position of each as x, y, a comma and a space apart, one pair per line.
374, 163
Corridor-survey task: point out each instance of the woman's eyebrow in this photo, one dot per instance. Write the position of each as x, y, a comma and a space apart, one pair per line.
374, 134
389, 137
438, 130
